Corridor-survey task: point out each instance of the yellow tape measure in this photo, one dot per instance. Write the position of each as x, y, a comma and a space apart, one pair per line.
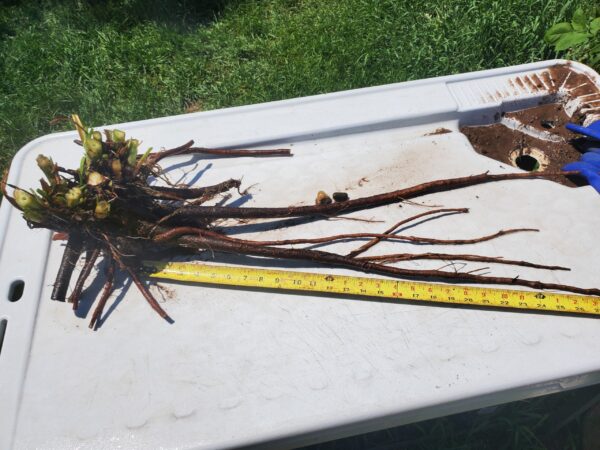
374, 287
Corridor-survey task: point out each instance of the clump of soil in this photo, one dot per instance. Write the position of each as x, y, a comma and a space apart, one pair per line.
439, 131
550, 118
502, 143
536, 138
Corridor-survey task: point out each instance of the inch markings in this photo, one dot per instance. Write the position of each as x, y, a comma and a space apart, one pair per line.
373, 287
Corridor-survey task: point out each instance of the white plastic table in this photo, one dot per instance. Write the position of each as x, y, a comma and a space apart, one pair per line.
246, 367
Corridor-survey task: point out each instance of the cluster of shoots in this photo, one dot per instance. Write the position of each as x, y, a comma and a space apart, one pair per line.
86, 193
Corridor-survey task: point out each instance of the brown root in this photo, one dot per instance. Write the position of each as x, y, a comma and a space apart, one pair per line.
317, 256
90, 260
107, 290
398, 257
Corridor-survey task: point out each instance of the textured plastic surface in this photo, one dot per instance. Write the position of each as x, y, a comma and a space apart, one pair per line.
243, 367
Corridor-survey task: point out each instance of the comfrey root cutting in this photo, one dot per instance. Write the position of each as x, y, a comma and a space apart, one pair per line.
107, 207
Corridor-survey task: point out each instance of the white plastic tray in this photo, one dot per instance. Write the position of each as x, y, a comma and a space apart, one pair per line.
242, 367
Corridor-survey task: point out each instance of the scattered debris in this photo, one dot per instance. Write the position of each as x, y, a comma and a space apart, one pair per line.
323, 198
340, 196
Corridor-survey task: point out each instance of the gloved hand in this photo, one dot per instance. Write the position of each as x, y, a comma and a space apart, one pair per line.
588, 166
589, 163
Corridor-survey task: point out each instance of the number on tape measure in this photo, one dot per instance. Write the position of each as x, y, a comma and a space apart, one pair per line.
374, 287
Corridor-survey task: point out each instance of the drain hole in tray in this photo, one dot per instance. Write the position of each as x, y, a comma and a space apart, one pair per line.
15, 291
530, 159
3, 323
528, 163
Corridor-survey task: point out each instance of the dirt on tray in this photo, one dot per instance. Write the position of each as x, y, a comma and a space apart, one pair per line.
550, 118
518, 149
561, 78
537, 138
438, 131
564, 77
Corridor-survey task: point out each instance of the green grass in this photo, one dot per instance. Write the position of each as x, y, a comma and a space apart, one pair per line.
114, 61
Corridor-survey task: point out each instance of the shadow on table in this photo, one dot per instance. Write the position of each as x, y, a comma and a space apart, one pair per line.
567, 420
178, 14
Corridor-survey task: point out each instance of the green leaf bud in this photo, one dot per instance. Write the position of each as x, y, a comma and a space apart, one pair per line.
44, 163
93, 148
73, 197
102, 209
24, 199
118, 136
47, 166
133, 151
96, 135
95, 179
116, 168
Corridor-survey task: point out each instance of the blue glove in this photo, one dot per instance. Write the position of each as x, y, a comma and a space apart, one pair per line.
589, 163
589, 167
592, 131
